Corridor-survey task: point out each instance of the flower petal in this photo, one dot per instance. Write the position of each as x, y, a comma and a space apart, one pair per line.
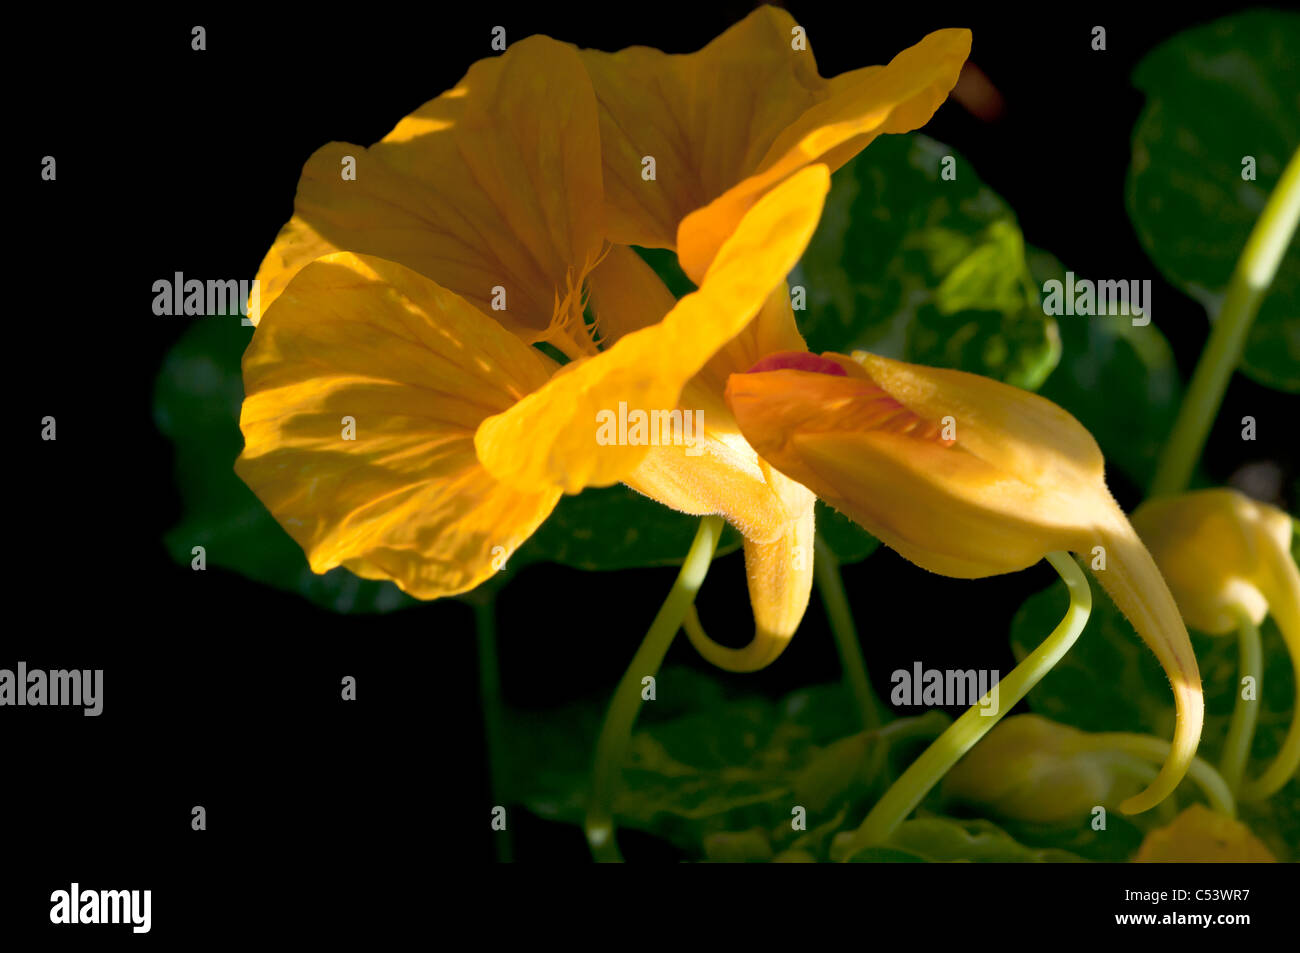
772, 331
626, 294
494, 183
728, 122
897, 98
780, 575
551, 437
867, 454
415, 368
705, 117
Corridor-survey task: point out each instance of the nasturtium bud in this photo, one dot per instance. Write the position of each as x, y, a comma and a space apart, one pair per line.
1225, 557
1222, 554
1032, 769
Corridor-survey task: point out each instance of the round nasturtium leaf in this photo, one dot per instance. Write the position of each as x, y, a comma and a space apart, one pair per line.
916, 259
1118, 379
1222, 120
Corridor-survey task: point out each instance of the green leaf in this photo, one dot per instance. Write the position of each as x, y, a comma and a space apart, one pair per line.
1217, 94
1116, 844
944, 839
615, 528
668, 268
196, 404
739, 847
847, 540
717, 775
1277, 821
1120, 381
912, 266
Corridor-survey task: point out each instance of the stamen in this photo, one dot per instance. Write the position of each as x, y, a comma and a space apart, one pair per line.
568, 330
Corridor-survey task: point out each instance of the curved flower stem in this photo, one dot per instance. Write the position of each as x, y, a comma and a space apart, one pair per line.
489, 675
1283, 594
1246, 290
616, 733
1241, 730
1153, 749
830, 584
927, 770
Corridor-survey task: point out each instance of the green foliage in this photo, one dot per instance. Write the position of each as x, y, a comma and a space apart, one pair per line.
847, 540
1118, 380
1216, 95
912, 266
720, 776
944, 839
615, 528
665, 264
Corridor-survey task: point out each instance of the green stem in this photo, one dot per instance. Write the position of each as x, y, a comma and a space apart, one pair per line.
489, 676
927, 770
616, 733
1241, 730
1148, 748
1246, 290
830, 584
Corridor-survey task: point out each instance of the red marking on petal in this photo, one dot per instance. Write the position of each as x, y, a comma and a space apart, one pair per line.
797, 361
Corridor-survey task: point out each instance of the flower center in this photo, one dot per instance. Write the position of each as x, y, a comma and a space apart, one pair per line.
797, 361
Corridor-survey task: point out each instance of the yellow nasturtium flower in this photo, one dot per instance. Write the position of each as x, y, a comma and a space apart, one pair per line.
1226, 556
967, 477
414, 276
435, 388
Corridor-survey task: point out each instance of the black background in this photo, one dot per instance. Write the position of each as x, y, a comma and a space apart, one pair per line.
225, 693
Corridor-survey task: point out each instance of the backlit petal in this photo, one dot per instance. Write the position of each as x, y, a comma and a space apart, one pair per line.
898, 98
553, 436
626, 294
706, 118
496, 183
780, 575
773, 330
725, 124
416, 368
